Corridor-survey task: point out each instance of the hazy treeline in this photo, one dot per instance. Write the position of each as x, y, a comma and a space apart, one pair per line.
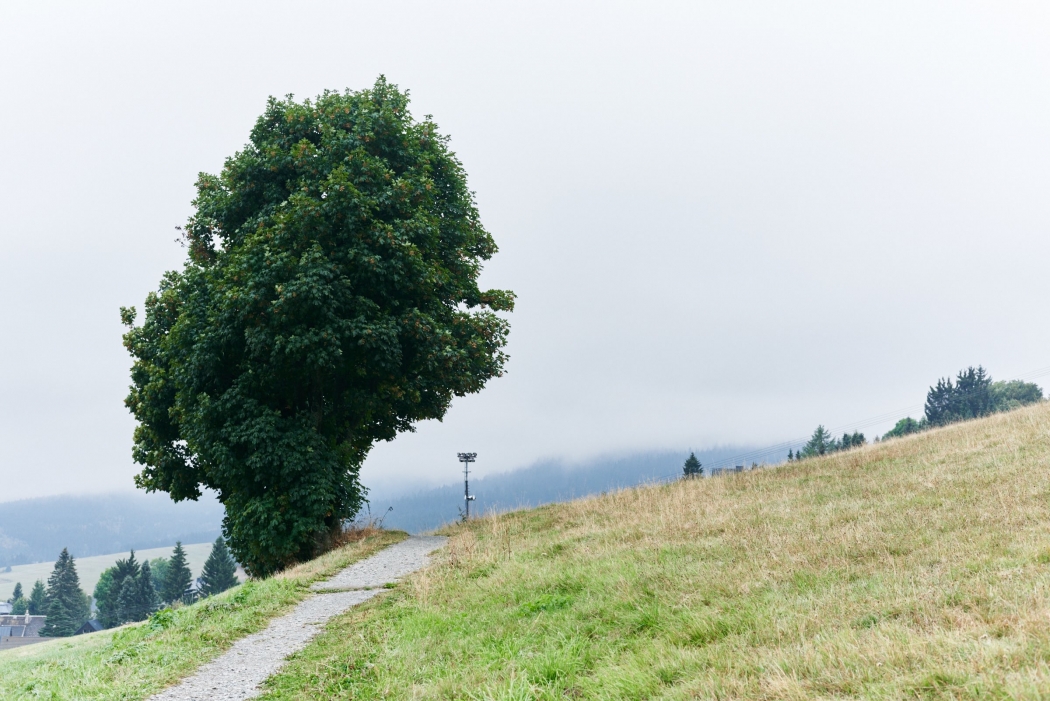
542, 483
33, 530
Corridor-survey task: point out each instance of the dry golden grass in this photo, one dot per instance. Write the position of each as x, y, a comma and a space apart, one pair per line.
913, 568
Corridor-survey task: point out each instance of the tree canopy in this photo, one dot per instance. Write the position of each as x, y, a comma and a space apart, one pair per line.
329, 300
972, 395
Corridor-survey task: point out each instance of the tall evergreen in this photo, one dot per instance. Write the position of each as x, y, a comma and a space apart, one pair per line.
220, 571
37, 599
67, 605
820, 443
692, 466
106, 593
179, 576
16, 594
159, 570
969, 398
19, 606
137, 598
127, 601
147, 591
109, 588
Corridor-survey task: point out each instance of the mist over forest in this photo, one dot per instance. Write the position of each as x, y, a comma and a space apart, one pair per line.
36, 530
541, 483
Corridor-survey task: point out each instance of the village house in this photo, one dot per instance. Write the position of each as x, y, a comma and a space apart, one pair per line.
16, 631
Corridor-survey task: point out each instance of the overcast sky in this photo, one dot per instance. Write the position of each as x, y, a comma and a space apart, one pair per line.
725, 222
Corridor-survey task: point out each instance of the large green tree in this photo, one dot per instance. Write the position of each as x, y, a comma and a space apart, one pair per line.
329, 300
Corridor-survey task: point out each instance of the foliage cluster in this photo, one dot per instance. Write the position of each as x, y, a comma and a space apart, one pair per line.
329, 301
972, 395
129, 591
823, 443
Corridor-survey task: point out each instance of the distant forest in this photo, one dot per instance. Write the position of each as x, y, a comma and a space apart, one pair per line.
542, 483
36, 530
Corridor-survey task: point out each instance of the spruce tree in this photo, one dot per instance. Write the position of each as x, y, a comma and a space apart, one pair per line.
179, 576
127, 608
137, 598
147, 592
109, 587
158, 567
16, 594
67, 606
820, 443
692, 466
37, 599
106, 593
19, 606
220, 571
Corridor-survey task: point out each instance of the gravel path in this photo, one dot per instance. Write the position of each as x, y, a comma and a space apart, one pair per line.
238, 672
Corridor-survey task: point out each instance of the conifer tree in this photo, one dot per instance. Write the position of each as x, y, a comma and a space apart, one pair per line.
106, 593
16, 594
109, 587
179, 576
67, 605
692, 466
791, 455
220, 571
37, 599
19, 606
147, 592
137, 598
127, 601
158, 567
819, 443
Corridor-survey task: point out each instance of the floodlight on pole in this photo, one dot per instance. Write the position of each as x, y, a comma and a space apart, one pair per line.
466, 459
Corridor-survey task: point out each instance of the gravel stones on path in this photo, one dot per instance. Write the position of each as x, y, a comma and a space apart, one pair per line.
385, 566
238, 672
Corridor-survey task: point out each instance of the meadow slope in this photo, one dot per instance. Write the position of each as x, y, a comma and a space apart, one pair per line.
915, 568
134, 661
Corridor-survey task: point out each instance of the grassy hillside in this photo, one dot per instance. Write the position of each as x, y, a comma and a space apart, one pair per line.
918, 568
90, 568
135, 661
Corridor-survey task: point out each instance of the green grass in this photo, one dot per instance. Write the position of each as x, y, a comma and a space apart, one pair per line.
916, 568
135, 661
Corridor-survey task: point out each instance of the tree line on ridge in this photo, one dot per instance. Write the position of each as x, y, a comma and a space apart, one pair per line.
128, 591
